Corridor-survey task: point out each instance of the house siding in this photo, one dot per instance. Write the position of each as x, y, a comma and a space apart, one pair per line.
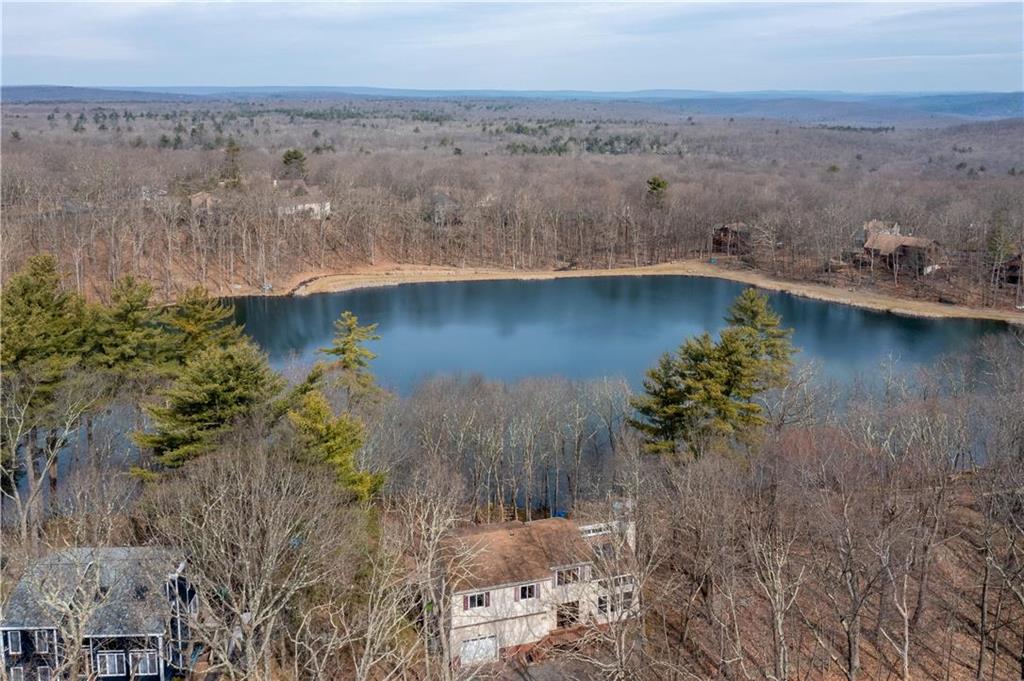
516, 623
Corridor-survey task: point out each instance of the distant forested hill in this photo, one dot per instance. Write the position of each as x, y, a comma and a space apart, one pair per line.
791, 105
26, 94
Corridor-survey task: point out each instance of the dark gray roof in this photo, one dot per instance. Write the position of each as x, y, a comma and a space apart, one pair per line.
118, 590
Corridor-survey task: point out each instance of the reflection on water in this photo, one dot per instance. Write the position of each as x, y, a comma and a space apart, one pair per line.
580, 328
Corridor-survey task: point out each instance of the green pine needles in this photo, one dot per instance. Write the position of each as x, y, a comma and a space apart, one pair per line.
216, 388
707, 389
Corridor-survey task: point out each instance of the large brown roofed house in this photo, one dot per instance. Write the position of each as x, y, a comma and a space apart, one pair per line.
517, 552
884, 241
887, 244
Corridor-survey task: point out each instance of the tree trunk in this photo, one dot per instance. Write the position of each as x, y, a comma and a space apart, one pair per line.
853, 648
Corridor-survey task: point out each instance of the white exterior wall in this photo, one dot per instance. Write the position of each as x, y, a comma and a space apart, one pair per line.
515, 623
512, 622
316, 210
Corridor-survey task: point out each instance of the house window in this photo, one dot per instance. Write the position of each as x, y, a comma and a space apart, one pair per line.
42, 641
620, 580
17, 674
145, 663
14, 642
480, 600
110, 664
615, 602
594, 530
570, 576
527, 591
43, 674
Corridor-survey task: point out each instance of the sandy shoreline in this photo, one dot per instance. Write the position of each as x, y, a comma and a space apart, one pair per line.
414, 274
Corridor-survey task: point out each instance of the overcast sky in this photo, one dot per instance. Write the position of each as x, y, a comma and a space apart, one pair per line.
866, 47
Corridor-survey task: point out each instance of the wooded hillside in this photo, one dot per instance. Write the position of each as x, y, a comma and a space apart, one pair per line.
523, 184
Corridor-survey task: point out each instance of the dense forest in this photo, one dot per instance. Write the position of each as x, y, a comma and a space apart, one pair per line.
508, 183
781, 533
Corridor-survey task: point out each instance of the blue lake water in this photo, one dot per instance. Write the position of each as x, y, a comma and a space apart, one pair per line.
580, 327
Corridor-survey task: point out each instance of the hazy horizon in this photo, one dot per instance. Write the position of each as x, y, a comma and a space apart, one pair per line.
156, 87
857, 48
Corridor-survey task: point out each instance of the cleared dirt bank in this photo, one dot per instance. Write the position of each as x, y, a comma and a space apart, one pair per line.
411, 274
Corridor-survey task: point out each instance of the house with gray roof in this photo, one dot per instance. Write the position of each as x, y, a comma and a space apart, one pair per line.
99, 613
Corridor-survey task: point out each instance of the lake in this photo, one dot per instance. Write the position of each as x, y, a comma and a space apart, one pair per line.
580, 327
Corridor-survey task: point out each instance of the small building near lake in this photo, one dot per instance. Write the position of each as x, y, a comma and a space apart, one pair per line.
731, 239
1011, 270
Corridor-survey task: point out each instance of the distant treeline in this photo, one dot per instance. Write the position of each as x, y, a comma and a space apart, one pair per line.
524, 184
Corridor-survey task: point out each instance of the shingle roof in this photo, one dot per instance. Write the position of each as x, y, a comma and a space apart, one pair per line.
886, 244
121, 590
517, 552
297, 193
733, 227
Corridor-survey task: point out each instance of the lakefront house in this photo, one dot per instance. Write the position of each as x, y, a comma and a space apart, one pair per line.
296, 198
525, 586
114, 613
884, 243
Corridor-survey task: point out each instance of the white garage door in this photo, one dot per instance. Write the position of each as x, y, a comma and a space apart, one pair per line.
479, 650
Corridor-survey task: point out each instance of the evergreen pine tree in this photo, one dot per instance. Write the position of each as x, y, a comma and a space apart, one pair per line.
294, 162
232, 171
40, 342
42, 323
129, 339
197, 322
353, 359
707, 389
662, 407
334, 441
215, 388
769, 342
739, 373
656, 189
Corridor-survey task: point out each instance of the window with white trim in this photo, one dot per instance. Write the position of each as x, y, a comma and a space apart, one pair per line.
620, 580
615, 602
594, 530
42, 641
14, 642
42, 674
570, 576
481, 600
17, 674
527, 591
144, 663
110, 664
